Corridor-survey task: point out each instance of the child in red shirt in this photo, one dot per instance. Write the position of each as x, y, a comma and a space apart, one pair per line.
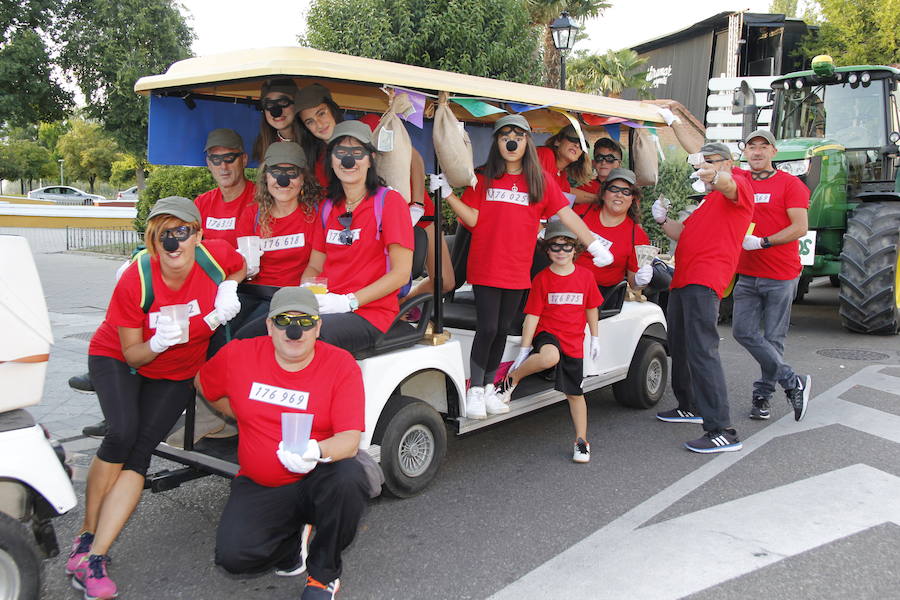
563, 299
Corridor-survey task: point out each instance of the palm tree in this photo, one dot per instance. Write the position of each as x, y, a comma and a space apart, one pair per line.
608, 74
544, 12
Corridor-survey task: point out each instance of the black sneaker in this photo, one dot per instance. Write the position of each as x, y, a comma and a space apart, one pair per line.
315, 590
97, 430
299, 565
760, 409
716, 441
798, 397
676, 415
82, 383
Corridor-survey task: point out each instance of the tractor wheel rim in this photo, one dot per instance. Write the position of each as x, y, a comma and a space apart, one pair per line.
654, 376
10, 581
416, 450
897, 280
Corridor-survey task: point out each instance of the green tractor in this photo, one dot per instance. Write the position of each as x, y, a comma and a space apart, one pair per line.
838, 129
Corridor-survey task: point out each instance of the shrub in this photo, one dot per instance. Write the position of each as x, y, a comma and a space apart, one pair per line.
674, 184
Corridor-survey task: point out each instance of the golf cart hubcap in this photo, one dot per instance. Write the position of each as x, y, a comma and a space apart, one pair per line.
654, 376
416, 450
10, 584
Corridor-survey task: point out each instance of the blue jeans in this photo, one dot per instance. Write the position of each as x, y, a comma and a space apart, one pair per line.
762, 315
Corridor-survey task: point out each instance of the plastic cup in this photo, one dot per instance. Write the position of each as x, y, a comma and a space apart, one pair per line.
295, 430
180, 314
249, 247
645, 254
317, 285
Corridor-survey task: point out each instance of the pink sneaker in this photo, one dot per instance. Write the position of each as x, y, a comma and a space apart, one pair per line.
91, 577
81, 548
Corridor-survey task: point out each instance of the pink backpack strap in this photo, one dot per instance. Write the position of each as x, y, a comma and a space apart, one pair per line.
325, 211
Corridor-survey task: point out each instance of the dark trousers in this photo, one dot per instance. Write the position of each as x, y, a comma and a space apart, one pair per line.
495, 309
697, 376
260, 526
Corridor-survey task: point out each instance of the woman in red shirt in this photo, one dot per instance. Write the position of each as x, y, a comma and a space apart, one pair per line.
615, 221
277, 99
504, 211
563, 159
365, 264
143, 372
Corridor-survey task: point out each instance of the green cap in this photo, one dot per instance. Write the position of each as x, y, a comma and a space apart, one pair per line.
558, 229
626, 174
514, 120
312, 96
285, 86
355, 129
281, 153
716, 148
178, 207
226, 138
294, 299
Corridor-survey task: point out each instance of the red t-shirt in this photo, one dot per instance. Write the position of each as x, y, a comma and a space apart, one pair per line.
219, 218
287, 248
548, 160
503, 239
560, 302
592, 187
182, 360
620, 240
772, 197
351, 268
321, 175
710, 244
259, 391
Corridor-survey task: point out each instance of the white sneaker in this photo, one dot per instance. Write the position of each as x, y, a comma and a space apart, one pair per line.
475, 403
493, 403
505, 389
582, 452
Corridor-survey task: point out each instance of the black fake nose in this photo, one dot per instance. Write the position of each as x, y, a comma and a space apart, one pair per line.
348, 162
294, 332
283, 180
275, 111
511, 145
170, 244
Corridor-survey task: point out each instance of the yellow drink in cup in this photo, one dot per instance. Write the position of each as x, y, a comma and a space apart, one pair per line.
317, 285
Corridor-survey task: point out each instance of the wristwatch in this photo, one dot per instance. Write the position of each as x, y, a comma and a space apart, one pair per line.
766, 243
354, 303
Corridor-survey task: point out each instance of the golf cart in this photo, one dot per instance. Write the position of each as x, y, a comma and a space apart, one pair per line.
415, 377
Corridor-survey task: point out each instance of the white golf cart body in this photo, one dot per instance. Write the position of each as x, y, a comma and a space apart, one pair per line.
415, 389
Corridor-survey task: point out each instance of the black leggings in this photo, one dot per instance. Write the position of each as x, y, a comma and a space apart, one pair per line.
139, 411
495, 309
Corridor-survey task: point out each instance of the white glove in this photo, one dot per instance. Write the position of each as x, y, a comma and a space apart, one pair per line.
333, 303
660, 210
439, 182
595, 347
752, 242
168, 333
602, 256
416, 212
227, 303
121, 269
667, 115
523, 354
643, 276
251, 273
300, 463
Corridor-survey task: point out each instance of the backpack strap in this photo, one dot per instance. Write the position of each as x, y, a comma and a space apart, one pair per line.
209, 264
380, 193
145, 274
325, 211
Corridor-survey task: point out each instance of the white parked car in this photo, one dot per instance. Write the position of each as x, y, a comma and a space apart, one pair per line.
129, 195
64, 194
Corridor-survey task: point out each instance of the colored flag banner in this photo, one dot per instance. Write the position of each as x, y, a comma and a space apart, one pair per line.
477, 108
576, 125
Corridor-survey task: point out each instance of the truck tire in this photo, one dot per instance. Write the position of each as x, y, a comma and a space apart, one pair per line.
647, 376
413, 442
20, 565
870, 280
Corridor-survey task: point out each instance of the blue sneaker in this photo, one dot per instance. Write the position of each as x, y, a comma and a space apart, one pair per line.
716, 441
676, 415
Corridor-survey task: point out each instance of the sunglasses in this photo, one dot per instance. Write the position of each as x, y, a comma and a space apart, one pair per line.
289, 172
714, 160
218, 159
275, 106
345, 237
610, 158
306, 322
354, 152
511, 133
566, 247
180, 233
618, 190
574, 139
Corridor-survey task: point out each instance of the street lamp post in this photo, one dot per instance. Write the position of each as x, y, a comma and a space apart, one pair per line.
61, 180
564, 31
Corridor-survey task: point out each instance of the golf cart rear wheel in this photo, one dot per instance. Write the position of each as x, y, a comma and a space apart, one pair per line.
413, 442
20, 565
647, 376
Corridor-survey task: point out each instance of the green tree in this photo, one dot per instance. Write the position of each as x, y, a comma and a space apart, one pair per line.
48, 135
30, 92
856, 32
107, 46
123, 169
88, 151
673, 183
787, 8
489, 38
24, 160
162, 182
542, 14
608, 74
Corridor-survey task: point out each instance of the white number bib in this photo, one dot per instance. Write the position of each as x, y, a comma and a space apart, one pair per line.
577, 299
282, 242
761, 198
220, 224
508, 196
263, 392
334, 236
195, 310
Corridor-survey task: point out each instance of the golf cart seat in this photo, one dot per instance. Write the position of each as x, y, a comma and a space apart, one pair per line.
403, 333
613, 301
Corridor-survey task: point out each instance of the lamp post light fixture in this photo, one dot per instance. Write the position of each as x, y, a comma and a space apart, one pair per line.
61, 180
564, 31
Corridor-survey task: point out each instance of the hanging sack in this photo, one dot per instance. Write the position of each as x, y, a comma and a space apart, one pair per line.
394, 147
644, 153
452, 146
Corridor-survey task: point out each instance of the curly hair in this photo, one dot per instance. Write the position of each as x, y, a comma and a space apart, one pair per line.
310, 196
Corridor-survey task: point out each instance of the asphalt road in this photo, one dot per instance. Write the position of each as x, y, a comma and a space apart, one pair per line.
806, 510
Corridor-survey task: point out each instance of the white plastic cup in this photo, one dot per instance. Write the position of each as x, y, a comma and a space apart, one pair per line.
249, 247
180, 314
295, 430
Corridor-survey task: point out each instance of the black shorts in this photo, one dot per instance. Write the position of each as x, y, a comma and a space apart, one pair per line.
569, 371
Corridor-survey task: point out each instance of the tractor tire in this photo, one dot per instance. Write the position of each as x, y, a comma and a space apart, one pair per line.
870, 279
802, 289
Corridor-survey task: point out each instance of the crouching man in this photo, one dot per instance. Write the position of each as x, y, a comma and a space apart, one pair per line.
276, 492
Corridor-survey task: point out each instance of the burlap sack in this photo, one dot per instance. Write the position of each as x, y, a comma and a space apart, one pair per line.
646, 164
452, 146
394, 165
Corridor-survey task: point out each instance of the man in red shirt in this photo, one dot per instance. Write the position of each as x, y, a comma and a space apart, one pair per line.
279, 489
709, 244
769, 269
607, 156
221, 206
